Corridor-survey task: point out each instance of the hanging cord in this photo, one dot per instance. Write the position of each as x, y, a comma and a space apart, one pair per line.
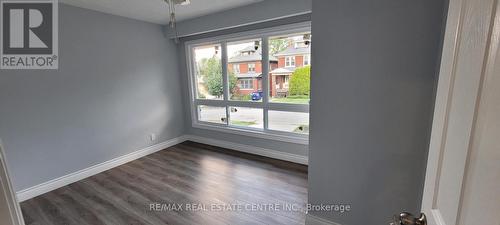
172, 24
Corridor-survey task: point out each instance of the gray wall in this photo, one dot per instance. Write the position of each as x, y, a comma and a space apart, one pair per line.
374, 71
117, 82
251, 14
298, 149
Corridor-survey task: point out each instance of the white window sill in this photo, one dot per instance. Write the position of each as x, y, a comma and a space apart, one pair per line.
271, 135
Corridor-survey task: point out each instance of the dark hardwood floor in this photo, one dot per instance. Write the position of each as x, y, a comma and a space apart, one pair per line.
193, 184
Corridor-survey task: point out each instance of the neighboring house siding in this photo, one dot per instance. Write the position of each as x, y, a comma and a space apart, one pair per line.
258, 67
299, 61
243, 68
281, 61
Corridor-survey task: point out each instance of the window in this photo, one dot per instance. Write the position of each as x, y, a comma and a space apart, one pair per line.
246, 117
307, 60
236, 68
290, 61
291, 84
268, 103
289, 121
251, 67
212, 114
208, 67
246, 84
241, 84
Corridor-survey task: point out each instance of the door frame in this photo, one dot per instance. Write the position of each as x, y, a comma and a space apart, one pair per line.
6, 189
469, 40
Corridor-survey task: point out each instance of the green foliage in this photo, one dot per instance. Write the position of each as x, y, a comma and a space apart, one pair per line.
300, 82
239, 97
211, 70
277, 45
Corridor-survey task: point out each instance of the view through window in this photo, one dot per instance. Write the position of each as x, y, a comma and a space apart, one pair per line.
255, 84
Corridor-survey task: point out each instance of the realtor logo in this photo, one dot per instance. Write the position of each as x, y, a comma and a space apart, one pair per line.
29, 34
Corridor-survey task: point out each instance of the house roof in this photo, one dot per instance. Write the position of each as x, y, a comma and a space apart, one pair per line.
291, 50
248, 75
255, 56
283, 70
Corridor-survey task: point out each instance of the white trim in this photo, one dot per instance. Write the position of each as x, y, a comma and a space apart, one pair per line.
308, 56
437, 217
289, 60
314, 220
7, 191
272, 31
269, 134
253, 67
242, 82
50, 185
171, 36
465, 55
263, 34
251, 149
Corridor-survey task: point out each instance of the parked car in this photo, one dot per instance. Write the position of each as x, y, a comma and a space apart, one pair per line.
256, 96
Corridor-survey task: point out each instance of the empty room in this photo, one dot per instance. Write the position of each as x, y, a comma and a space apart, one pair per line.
266, 112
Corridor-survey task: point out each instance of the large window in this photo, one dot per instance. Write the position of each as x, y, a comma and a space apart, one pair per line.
307, 60
246, 84
208, 70
290, 61
252, 83
236, 68
251, 67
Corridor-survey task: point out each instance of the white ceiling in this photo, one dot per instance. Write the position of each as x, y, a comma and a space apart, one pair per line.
156, 11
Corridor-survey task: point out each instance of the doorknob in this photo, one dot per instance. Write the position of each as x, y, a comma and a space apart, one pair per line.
406, 218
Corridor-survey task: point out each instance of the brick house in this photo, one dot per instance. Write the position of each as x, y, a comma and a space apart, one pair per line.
296, 55
247, 67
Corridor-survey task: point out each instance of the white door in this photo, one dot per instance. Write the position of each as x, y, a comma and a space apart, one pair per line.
462, 185
10, 213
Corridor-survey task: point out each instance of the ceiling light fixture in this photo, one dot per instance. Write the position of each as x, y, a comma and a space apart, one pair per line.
171, 8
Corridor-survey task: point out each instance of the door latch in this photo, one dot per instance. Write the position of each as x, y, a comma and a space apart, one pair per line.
406, 218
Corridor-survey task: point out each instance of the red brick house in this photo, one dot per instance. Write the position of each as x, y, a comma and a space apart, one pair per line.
247, 67
298, 54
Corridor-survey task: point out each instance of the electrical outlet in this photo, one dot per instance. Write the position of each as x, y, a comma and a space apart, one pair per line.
152, 137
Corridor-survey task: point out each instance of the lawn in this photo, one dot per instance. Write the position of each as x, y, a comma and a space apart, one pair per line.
242, 123
299, 99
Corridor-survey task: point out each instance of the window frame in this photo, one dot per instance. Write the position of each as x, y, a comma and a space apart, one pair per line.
253, 67
265, 104
236, 68
308, 56
290, 60
246, 81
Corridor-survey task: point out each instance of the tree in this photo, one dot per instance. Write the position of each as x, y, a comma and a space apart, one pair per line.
211, 70
300, 82
277, 45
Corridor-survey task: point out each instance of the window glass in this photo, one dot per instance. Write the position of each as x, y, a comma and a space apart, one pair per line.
245, 83
251, 67
289, 79
212, 114
246, 117
307, 60
236, 68
246, 80
240, 88
208, 70
289, 121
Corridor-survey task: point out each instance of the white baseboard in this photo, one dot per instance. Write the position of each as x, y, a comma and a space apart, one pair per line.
251, 149
50, 185
314, 220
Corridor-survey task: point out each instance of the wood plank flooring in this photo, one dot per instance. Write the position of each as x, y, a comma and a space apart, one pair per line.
192, 184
